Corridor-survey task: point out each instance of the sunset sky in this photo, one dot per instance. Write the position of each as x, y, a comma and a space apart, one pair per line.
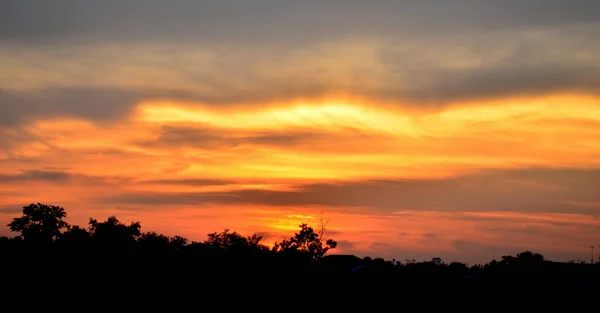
463, 129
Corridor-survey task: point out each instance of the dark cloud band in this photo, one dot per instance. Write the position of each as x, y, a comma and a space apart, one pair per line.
525, 190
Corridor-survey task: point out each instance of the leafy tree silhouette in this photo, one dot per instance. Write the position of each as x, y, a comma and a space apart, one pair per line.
306, 242
226, 240
530, 257
75, 235
113, 229
74, 244
152, 243
114, 236
40, 223
235, 245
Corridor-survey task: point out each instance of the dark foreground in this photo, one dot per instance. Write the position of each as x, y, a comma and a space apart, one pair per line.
344, 271
111, 259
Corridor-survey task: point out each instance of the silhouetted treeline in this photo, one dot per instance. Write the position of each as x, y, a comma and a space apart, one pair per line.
112, 246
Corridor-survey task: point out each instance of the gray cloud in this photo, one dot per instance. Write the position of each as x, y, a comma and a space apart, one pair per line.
268, 236
410, 74
429, 235
346, 245
35, 175
273, 20
11, 209
96, 103
490, 81
180, 136
60, 176
190, 182
525, 190
223, 52
515, 47
375, 246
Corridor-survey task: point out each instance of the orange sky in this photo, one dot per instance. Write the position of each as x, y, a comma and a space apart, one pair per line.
468, 133
384, 175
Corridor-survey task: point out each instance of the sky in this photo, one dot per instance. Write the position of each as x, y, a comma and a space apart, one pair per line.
463, 129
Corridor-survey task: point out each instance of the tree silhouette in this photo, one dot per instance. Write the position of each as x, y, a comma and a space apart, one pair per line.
307, 242
226, 240
112, 248
234, 244
530, 257
114, 235
113, 229
74, 243
159, 244
40, 223
437, 261
75, 234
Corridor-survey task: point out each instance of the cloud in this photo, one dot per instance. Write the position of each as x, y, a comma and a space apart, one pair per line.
402, 74
271, 20
35, 175
197, 136
190, 182
345, 245
97, 62
441, 86
429, 235
526, 190
457, 243
10, 209
375, 246
315, 141
60, 177
92, 103
268, 237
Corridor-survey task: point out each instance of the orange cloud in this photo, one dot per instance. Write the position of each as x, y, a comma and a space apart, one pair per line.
341, 140
212, 155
